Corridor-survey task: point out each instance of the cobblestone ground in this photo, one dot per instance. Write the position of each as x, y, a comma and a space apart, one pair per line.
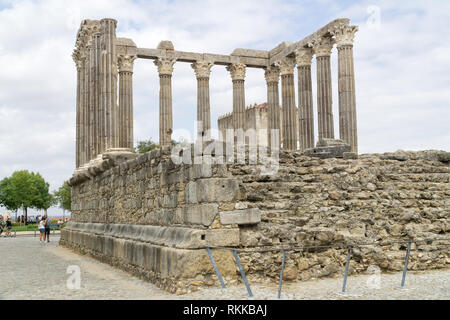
34, 270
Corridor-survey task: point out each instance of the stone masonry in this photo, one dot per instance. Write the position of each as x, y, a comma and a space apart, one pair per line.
154, 218
154, 215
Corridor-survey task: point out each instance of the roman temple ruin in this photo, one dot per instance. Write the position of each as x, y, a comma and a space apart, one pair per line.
154, 216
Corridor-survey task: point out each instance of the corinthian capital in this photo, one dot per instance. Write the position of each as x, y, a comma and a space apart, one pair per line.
125, 62
286, 65
202, 68
322, 46
165, 65
303, 56
344, 34
237, 71
272, 74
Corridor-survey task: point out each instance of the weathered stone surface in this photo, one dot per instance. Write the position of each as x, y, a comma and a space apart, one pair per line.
246, 216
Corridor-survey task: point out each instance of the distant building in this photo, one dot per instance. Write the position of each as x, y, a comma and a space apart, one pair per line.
255, 118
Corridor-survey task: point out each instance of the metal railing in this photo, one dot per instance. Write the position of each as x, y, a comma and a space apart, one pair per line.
349, 247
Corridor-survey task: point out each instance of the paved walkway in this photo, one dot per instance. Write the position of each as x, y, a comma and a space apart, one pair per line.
34, 270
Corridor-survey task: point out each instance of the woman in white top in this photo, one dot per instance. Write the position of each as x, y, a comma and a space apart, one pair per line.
41, 229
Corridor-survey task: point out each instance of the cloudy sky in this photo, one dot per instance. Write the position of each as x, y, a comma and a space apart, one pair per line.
402, 65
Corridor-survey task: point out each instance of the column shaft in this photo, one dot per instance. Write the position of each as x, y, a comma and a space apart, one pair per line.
165, 110
78, 105
86, 143
305, 107
324, 98
347, 98
109, 83
289, 112
203, 108
126, 109
238, 104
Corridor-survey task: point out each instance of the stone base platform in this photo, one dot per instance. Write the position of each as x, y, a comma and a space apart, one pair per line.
171, 258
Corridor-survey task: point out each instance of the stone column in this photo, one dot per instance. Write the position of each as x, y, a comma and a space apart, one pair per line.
288, 104
96, 95
347, 100
87, 104
237, 71
92, 109
303, 59
272, 75
125, 63
79, 65
322, 49
165, 70
202, 71
108, 83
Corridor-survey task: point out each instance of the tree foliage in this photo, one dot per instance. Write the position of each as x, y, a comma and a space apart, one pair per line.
148, 145
25, 190
64, 196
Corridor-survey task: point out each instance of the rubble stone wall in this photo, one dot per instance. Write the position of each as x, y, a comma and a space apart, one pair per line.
154, 218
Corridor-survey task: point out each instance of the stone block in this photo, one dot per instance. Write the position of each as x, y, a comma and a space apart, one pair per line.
202, 214
222, 237
217, 190
240, 217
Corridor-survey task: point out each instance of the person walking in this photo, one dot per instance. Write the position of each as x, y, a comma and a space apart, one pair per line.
2, 225
8, 227
47, 228
42, 230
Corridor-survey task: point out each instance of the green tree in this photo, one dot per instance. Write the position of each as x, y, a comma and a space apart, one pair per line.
25, 190
64, 196
148, 145
145, 146
7, 198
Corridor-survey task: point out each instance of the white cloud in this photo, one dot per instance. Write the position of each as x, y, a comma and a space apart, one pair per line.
401, 68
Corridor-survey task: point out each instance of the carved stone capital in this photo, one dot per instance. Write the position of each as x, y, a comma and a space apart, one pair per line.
125, 62
202, 68
237, 71
322, 46
272, 74
165, 65
303, 56
344, 34
286, 65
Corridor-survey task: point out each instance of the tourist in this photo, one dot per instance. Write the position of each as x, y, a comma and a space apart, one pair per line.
47, 228
8, 227
42, 230
2, 226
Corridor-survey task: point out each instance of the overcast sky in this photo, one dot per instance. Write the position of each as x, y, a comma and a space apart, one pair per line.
402, 64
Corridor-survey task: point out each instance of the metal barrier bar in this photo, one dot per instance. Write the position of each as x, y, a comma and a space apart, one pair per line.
281, 274
406, 264
215, 267
238, 262
346, 268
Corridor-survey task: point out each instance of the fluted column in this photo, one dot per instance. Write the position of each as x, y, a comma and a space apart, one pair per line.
202, 71
165, 70
79, 65
96, 94
272, 75
237, 71
322, 49
305, 99
125, 64
108, 83
347, 100
87, 104
288, 104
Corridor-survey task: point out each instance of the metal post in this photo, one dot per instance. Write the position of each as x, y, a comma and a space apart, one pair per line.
281, 274
215, 267
346, 268
238, 262
406, 264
